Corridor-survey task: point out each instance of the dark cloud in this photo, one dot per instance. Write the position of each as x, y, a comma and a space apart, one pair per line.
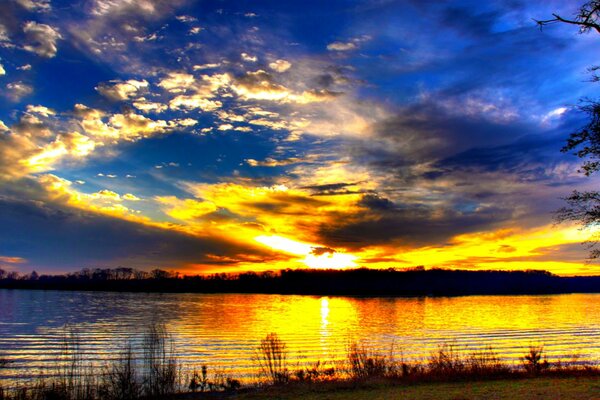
410, 226
332, 189
319, 251
374, 202
62, 238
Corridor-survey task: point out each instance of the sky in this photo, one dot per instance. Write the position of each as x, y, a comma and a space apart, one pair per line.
226, 136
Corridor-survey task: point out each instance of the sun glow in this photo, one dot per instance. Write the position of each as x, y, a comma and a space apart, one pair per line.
315, 256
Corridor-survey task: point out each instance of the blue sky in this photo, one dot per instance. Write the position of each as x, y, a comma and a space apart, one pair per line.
209, 136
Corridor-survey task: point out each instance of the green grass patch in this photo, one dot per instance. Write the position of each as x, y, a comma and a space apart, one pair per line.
509, 389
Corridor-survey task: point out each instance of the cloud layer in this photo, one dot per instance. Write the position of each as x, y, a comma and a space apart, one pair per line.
186, 136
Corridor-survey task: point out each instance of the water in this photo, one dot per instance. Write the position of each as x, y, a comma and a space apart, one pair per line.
223, 330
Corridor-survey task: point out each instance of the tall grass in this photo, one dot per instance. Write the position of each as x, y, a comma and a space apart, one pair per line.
150, 370
160, 370
121, 380
271, 356
150, 373
365, 363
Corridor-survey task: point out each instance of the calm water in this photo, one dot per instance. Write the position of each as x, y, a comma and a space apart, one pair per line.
222, 330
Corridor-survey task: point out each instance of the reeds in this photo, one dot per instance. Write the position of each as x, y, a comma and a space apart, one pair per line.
151, 371
271, 357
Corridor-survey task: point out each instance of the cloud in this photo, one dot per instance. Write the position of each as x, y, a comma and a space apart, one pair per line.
15, 91
196, 101
271, 162
261, 85
12, 260
37, 142
280, 65
341, 46
30, 147
201, 67
177, 82
274, 206
40, 110
52, 228
121, 91
202, 92
106, 194
128, 126
2, 70
187, 209
146, 8
130, 197
35, 5
146, 106
42, 39
248, 58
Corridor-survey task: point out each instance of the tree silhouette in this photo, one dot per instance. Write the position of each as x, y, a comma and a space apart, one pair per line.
584, 207
586, 18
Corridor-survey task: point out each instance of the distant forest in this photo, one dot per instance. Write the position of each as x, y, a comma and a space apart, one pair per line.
363, 282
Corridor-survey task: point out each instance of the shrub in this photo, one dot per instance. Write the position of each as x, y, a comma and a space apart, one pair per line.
365, 363
272, 359
532, 361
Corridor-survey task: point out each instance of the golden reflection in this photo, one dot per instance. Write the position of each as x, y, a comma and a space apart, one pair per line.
227, 328
223, 330
324, 315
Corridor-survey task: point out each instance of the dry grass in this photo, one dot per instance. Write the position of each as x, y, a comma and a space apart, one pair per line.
153, 371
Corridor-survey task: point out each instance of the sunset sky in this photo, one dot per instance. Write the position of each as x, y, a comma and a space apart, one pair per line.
206, 136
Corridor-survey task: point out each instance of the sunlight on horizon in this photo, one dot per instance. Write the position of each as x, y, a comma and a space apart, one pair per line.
316, 257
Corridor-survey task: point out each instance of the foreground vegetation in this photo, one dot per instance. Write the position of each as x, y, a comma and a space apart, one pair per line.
523, 389
153, 372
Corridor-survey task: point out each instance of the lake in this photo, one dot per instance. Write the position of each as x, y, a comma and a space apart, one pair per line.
223, 330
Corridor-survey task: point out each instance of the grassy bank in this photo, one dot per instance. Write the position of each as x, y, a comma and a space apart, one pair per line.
153, 372
575, 388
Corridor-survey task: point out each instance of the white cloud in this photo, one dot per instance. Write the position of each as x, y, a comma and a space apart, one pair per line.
40, 110
148, 8
206, 66
2, 70
177, 82
248, 58
341, 46
148, 106
554, 114
225, 127
194, 101
186, 18
17, 90
35, 5
42, 39
130, 197
280, 65
119, 90
4, 34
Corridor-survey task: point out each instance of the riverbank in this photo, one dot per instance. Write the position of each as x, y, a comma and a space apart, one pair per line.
575, 388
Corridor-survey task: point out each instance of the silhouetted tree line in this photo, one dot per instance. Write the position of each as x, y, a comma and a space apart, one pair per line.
368, 282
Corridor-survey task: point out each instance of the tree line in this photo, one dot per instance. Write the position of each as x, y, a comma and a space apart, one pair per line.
362, 281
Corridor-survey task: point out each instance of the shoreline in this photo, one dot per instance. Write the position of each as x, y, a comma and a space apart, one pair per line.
282, 293
532, 388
